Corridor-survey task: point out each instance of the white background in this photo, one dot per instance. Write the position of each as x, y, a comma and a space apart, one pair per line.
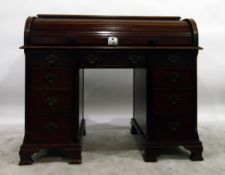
108, 93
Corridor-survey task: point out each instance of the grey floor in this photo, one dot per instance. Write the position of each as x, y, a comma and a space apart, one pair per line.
111, 150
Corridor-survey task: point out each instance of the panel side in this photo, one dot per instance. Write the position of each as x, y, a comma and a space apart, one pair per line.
140, 98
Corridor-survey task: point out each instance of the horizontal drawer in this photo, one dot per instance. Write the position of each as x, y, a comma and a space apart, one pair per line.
173, 101
52, 58
112, 59
173, 127
173, 78
52, 101
50, 78
51, 129
173, 59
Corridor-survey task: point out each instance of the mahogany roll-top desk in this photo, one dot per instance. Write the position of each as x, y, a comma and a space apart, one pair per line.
162, 51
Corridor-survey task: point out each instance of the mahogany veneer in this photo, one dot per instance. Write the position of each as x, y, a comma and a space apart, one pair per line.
162, 51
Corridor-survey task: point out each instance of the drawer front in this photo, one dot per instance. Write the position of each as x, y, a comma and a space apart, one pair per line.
174, 127
52, 58
51, 78
112, 59
173, 101
173, 59
173, 78
52, 101
51, 129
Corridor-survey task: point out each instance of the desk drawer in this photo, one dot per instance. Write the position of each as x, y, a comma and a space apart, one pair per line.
112, 59
173, 59
173, 101
178, 127
50, 129
50, 78
173, 78
52, 101
52, 58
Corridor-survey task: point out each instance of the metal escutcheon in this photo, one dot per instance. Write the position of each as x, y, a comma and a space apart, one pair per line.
173, 125
51, 127
173, 77
113, 41
51, 77
173, 99
173, 59
134, 59
50, 101
51, 59
92, 59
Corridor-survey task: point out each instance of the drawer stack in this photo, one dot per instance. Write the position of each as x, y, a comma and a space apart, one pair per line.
173, 95
51, 98
53, 109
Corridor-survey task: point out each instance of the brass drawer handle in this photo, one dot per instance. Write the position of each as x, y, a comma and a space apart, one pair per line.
173, 99
51, 127
92, 59
173, 77
173, 125
173, 59
50, 101
51, 59
134, 59
51, 77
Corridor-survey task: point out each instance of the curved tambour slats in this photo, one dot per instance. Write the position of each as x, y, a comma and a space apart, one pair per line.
27, 29
104, 25
67, 30
194, 29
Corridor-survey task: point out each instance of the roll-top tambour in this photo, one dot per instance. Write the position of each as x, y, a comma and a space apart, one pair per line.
69, 30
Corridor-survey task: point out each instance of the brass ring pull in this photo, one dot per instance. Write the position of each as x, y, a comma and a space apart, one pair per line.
51, 127
134, 59
173, 125
92, 59
173, 59
50, 77
50, 101
51, 59
173, 77
173, 99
